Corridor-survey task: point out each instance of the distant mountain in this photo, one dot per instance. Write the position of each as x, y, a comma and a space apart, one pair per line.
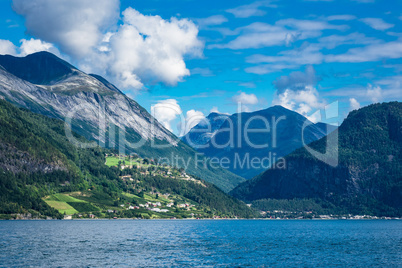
43, 174
282, 134
368, 178
46, 84
204, 130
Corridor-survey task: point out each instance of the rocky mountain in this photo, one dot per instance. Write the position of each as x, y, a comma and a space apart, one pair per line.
264, 136
97, 110
46, 84
367, 178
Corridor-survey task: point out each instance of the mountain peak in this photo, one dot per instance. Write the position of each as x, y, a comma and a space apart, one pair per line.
38, 68
278, 109
215, 114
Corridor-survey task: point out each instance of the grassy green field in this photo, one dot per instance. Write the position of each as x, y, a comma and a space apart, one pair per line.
69, 205
114, 161
62, 207
63, 198
147, 198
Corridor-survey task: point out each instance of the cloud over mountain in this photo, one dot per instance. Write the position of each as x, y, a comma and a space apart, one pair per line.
297, 92
166, 111
140, 50
75, 25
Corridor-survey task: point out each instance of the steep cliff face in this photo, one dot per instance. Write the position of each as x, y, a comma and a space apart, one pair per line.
281, 133
46, 84
369, 174
16, 161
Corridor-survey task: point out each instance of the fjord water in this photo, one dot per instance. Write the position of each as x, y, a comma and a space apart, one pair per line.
226, 243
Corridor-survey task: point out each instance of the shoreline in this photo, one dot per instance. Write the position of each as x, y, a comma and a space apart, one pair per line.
207, 219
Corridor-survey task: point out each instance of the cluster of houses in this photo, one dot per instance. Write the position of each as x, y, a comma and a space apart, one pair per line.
280, 214
185, 205
131, 156
155, 206
163, 171
159, 210
165, 174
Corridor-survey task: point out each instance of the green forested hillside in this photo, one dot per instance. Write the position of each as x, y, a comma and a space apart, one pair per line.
367, 180
37, 162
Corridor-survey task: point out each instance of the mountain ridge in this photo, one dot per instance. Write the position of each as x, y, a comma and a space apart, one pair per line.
287, 125
38, 68
102, 112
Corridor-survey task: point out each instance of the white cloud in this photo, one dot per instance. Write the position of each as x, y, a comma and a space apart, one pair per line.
333, 41
297, 80
214, 110
202, 71
211, 21
297, 92
284, 32
377, 23
268, 68
141, 50
354, 104
310, 25
255, 40
35, 45
245, 98
374, 52
75, 25
256, 35
193, 117
6, 47
341, 17
391, 90
374, 93
303, 101
149, 49
244, 101
307, 54
166, 111
27, 47
250, 10
248, 84
12, 24
392, 82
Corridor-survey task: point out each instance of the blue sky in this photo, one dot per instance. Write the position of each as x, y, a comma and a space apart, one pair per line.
198, 56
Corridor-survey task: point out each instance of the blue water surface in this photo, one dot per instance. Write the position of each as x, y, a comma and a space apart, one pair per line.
192, 243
